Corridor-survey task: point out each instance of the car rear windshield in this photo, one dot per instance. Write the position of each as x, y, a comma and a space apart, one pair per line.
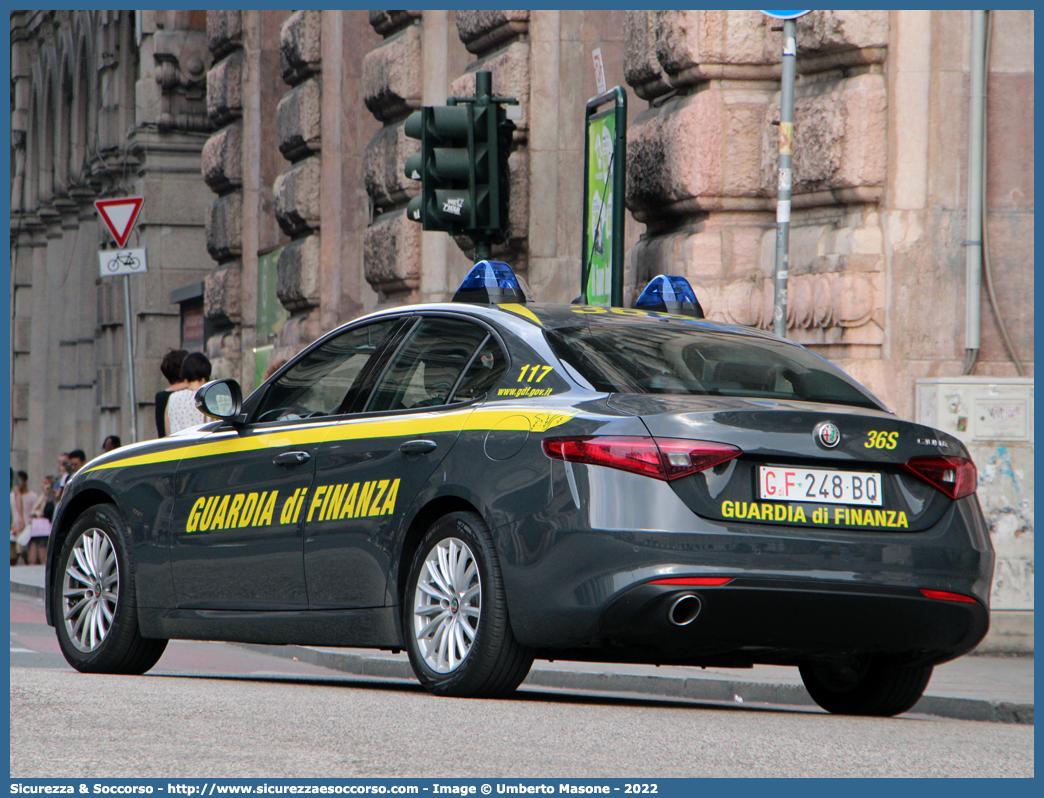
678, 358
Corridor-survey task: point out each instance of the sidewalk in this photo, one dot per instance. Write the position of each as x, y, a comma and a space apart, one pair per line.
977, 687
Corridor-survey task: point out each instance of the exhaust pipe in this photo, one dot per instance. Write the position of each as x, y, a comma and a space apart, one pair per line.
684, 610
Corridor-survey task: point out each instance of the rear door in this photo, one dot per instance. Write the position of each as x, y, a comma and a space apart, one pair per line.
372, 465
236, 541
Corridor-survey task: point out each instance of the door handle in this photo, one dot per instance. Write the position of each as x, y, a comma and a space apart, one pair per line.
418, 447
291, 458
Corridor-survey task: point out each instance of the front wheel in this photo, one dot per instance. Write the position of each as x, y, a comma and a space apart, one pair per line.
455, 616
95, 607
866, 686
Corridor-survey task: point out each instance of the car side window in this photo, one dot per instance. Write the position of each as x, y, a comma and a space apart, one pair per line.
317, 384
484, 372
428, 366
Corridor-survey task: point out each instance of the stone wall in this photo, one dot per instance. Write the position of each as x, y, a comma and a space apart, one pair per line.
543, 59
876, 265
702, 166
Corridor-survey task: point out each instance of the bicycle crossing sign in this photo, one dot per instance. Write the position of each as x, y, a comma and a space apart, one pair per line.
119, 216
122, 261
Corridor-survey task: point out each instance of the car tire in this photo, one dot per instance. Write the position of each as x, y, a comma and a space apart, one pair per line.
871, 686
459, 640
94, 598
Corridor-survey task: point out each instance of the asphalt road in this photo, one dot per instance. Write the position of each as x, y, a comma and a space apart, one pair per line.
212, 710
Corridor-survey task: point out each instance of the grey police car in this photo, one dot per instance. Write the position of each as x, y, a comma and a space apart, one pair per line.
489, 481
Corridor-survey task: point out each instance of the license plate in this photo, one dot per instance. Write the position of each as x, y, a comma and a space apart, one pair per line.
816, 485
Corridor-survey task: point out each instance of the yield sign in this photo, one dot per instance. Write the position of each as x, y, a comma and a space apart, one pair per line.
119, 216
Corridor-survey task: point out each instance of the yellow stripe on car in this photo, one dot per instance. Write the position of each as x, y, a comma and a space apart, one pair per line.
472, 419
521, 310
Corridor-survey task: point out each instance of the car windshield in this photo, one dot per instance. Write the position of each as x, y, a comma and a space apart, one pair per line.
678, 358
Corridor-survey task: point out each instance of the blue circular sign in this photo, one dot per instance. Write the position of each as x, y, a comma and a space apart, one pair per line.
786, 14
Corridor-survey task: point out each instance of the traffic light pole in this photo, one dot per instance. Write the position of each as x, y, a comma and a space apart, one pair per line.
483, 95
462, 165
786, 178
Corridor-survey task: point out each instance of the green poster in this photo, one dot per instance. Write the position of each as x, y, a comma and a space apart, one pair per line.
270, 312
598, 205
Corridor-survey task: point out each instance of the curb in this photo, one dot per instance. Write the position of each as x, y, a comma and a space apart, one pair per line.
29, 590
692, 689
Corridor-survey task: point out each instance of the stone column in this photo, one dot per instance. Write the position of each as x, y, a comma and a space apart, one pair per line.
702, 169
500, 41
297, 189
411, 67
392, 89
22, 298
222, 166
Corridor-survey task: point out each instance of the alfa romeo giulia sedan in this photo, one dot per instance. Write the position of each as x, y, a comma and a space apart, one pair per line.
488, 481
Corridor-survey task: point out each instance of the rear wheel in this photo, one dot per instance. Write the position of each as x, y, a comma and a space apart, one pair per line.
455, 616
866, 686
94, 598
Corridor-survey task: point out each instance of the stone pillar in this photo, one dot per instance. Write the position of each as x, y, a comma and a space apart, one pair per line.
702, 169
392, 89
22, 298
222, 166
297, 190
411, 67
500, 41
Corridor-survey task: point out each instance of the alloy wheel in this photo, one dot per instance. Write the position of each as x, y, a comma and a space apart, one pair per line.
447, 604
90, 590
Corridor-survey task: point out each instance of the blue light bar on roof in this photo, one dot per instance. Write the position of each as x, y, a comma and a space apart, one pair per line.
491, 282
670, 294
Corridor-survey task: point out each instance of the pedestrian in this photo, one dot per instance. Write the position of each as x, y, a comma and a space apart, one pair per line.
181, 407
170, 367
77, 459
40, 524
63, 475
112, 442
22, 502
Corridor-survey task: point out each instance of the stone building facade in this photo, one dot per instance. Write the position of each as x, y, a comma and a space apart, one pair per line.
308, 153
877, 259
104, 104
270, 148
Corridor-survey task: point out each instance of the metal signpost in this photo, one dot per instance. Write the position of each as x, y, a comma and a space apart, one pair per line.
119, 216
605, 173
786, 174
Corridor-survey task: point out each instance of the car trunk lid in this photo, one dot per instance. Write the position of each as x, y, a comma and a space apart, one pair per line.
795, 439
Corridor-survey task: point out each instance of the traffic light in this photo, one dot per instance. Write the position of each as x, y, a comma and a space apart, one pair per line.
462, 164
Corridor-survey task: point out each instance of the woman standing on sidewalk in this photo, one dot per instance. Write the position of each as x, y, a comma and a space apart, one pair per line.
22, 502
40, 525
170, 367
181, 407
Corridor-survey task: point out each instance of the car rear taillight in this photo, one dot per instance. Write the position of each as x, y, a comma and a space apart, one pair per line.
662, 458
954, 476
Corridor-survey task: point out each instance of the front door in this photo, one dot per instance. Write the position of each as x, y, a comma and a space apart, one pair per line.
236, 540
372, 465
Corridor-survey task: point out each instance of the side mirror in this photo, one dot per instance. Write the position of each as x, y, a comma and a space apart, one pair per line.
221, 399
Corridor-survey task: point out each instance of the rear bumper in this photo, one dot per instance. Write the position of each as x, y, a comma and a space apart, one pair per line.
781, 620
577, 574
